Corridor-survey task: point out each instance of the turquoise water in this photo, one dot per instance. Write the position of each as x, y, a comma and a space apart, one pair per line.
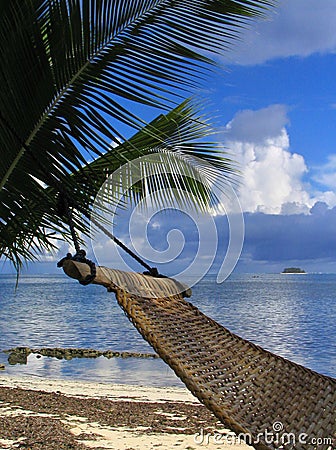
291, 315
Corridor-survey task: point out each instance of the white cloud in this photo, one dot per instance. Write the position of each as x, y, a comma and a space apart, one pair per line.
274, 178
328, 197
325, 174
293, 28
271, 174
257, 126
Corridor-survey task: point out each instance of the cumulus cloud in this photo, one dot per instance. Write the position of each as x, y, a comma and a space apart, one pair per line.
293, 28
271, 175
289, 209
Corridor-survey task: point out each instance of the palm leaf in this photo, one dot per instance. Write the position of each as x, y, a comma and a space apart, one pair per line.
70, 70
189, 165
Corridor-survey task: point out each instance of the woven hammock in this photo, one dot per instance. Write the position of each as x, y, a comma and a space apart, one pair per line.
268, 401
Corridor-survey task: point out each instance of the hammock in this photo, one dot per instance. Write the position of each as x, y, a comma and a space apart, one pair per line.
268, 401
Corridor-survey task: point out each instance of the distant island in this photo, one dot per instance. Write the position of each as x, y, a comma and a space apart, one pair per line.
293, 270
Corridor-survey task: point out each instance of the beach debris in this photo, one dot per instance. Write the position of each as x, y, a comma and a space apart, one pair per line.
39, 420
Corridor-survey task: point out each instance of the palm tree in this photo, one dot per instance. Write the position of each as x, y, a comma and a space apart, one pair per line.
71, 73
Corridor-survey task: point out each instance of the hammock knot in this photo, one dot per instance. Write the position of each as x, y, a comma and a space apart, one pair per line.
80, 256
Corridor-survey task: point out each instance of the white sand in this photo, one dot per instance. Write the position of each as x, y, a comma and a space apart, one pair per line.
119, 438
97, 390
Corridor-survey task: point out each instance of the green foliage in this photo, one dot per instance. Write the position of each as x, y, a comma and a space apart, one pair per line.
293, 270
70, 69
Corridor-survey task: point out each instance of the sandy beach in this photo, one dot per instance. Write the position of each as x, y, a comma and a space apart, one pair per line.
44, 414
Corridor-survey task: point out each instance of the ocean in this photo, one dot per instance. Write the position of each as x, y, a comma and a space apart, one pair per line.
291, 315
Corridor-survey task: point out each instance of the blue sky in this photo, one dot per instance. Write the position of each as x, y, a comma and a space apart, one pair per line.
276, 108
277, 102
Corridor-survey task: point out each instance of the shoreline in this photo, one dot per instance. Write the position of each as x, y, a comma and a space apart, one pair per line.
46, 414
89, 389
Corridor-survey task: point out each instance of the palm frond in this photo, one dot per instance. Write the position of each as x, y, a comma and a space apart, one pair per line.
71, 71
184, 162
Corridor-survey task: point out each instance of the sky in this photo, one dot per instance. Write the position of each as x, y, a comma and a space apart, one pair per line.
275, 102
278, 109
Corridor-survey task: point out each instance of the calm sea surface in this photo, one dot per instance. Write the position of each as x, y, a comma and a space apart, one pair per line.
291, 315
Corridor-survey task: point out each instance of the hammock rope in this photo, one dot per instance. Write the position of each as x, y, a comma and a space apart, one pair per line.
268, 401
